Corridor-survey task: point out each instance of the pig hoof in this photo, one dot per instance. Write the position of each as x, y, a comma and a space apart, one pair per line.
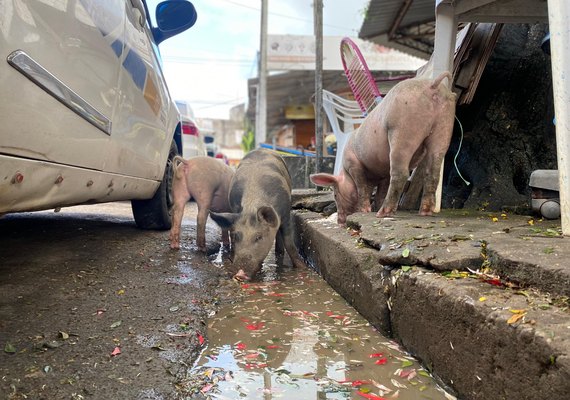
299, 263
175, 246
241, 276
383, 213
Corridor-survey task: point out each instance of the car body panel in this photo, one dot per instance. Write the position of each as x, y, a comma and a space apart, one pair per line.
74, 53
141, 121
39, 185
92, 119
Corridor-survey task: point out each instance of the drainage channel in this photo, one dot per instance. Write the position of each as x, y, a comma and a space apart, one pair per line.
295, 337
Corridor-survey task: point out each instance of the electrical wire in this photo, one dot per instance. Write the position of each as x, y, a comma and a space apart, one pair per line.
457, 154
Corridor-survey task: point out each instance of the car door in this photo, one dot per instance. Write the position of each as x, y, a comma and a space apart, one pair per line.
145, 119
60, 90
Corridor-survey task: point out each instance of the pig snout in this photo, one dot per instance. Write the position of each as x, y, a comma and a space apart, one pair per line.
242, 276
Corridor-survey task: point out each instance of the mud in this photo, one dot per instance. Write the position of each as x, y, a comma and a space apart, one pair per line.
92, 307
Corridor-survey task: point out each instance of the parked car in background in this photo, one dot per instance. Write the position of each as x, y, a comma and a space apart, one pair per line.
191, 140
86, 113
211, 146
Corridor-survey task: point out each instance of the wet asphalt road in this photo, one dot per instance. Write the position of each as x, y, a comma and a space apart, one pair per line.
92, 307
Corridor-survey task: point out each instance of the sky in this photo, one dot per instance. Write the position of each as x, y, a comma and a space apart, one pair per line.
209, 64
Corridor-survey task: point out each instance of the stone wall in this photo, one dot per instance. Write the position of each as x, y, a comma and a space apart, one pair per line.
301, 167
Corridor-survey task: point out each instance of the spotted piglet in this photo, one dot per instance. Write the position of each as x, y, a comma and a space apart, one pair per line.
260, 202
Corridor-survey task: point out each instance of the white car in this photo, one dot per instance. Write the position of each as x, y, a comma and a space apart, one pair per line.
86, 113
192, 142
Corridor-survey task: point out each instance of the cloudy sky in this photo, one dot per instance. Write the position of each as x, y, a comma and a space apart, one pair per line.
209, 64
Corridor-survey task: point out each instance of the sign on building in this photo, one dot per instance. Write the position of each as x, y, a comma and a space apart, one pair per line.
297, 52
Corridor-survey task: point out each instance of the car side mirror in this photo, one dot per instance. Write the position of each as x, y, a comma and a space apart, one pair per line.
172, 18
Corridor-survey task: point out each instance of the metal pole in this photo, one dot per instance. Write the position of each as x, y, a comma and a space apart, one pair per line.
318, 24
559, 20
261, 120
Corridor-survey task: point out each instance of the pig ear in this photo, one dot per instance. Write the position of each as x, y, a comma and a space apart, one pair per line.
224, 220
268, 215
324, 179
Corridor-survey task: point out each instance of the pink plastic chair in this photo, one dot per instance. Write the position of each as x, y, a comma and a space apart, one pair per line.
360, 79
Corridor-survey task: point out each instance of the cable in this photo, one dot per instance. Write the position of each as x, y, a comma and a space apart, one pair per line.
288, 16
458, 150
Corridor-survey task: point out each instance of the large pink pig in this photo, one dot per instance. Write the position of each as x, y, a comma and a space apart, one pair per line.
414, 120
207, 181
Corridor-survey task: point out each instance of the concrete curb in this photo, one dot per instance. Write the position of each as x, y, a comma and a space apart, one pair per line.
457, 327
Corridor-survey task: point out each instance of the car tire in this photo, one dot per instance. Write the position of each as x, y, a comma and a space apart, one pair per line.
155, 213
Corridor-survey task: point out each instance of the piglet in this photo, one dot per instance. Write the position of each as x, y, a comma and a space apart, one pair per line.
206, 180
260, 201
414, 120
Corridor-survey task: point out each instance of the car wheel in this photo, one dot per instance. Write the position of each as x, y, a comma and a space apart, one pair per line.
155, 213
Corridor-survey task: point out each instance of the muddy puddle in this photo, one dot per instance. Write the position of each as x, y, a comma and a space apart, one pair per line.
295, 338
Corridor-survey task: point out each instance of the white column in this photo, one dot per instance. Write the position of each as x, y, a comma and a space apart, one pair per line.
443, 53
559, 20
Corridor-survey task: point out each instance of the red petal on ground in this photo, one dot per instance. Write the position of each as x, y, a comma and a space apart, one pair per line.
200, 338
207, 388
376, 355
116, 352
255, 327
381, 361
359, 383
241, 346
370, 396
333, 315
273, 346
495, 282
252, 355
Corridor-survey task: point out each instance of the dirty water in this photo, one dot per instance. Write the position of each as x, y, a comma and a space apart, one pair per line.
295, 337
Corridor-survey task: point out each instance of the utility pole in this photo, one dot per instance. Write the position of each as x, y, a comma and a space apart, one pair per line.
318, 26
261, 117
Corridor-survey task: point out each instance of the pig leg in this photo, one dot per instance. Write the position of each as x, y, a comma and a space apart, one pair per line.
279, 248
225, 238
286, 233
180, 196
381, 191
203, 212
430, 185
437, 146
363, 188
399, 173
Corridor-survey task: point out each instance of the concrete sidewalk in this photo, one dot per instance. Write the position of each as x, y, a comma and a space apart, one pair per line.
482, 299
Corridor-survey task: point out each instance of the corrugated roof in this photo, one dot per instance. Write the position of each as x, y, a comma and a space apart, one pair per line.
409, 25
414, 31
